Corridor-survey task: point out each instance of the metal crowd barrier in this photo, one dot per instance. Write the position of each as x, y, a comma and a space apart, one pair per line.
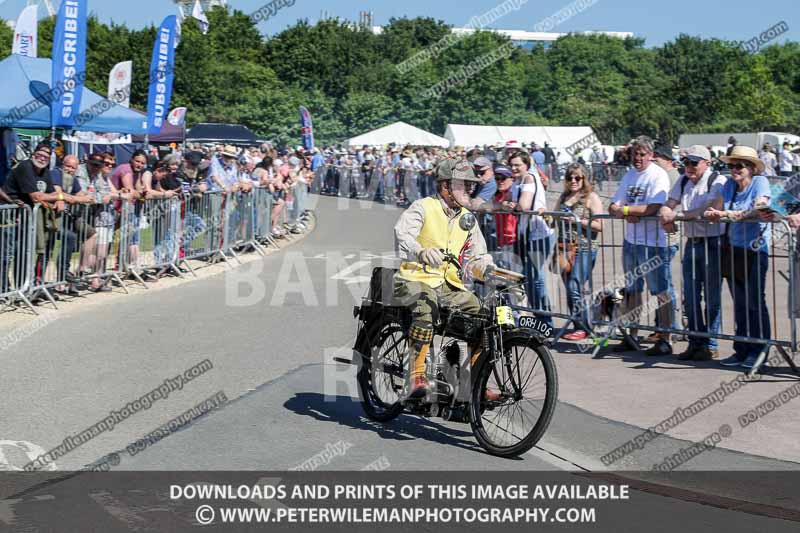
55, 243
150, 237
389, 184
240, 220
767, 310
17, 246
202, 217
763, 308
262, 221
75, 246
95, 244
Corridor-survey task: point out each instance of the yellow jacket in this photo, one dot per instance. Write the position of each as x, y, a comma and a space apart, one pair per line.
438, 230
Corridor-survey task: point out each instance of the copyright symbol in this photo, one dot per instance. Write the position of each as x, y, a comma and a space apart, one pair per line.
113, 459
725, 430
204, 515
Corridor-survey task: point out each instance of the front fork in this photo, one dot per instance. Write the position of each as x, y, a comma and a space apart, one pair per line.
493, 346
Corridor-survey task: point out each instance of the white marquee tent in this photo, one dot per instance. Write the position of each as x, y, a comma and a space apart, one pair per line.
559, 137
399, 133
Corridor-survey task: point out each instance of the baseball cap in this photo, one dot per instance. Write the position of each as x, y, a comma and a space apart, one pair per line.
697, 152
194, 158
95, 159
502, 171
663, 150
481, 162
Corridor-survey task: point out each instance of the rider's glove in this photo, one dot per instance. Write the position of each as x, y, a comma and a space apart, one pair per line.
482, 267
433, 257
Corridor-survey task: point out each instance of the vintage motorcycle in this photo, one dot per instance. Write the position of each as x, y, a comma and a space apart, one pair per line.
507, 392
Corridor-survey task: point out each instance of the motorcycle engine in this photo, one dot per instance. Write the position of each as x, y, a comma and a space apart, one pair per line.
454, 366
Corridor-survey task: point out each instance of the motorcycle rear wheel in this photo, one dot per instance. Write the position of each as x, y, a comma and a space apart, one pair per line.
381, 376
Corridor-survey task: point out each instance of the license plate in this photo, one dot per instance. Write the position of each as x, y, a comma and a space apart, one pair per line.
536, 324
504, 316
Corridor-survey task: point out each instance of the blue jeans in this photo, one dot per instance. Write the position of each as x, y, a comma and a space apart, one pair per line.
701, 279
750, 307
379, 190
538, 252
658, 274
299, 205
672, 251
8, 239
574, 282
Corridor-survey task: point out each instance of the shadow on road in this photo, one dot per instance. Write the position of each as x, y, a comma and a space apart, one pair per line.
344, 411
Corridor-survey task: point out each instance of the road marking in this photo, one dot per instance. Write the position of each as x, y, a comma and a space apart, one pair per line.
347, 274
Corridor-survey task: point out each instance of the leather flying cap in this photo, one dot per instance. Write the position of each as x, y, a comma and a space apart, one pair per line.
452, 169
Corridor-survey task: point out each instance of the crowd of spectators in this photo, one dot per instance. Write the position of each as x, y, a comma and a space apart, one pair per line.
98, 179
720, 198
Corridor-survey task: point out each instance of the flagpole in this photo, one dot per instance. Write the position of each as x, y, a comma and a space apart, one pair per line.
52, 147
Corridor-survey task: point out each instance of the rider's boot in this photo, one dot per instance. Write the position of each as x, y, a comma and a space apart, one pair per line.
417, 386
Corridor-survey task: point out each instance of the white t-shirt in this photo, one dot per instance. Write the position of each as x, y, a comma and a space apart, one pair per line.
699, 196
787, 159
770, 162
539, 229
643, 188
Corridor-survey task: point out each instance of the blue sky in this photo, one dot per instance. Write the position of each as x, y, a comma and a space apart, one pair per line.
657, 22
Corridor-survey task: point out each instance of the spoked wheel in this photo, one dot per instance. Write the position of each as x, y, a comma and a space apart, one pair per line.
381, 376
514, 396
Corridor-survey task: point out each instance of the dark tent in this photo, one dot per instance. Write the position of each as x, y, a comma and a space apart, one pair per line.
221, 133
168, 134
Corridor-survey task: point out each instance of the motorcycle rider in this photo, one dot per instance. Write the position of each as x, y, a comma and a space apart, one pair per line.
430, 228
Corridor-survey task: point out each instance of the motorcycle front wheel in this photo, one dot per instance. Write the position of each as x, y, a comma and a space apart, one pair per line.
514, 396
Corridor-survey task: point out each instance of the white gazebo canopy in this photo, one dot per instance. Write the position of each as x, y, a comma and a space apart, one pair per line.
559, 137
400, 134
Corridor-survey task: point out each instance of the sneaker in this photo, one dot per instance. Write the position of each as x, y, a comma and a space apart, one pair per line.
661, 347
577, 335
689, 354
625, 346
706, 354
733, 360
653, 338
750, 362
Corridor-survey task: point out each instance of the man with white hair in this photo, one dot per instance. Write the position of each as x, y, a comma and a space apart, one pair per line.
694, 193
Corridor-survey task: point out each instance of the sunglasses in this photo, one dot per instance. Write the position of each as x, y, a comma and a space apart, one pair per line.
573, 178
41, 155
690, 163
107, 164
502, 178
736, 166
481, 172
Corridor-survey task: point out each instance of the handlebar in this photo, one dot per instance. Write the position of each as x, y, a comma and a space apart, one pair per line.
453, 260
493, 272
507, 275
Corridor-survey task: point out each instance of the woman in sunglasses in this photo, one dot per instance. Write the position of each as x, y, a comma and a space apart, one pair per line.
577, 246
747, 251
535, 234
